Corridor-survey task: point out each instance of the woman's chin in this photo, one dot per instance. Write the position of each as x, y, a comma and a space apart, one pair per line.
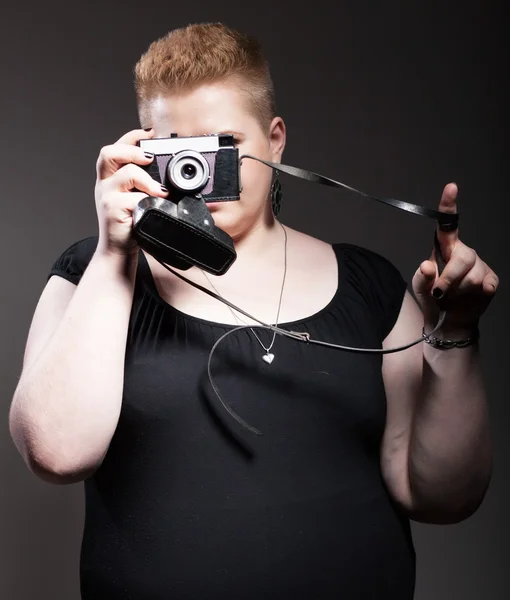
232, 217
221, 205
224, 215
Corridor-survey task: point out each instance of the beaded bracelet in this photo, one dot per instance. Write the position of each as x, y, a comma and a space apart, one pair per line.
436, 342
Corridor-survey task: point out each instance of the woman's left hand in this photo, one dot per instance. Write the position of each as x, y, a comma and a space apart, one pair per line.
465, 287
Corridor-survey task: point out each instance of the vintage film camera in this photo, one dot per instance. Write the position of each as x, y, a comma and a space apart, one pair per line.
180, 230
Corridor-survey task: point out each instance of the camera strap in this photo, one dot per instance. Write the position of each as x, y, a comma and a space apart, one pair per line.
445, 222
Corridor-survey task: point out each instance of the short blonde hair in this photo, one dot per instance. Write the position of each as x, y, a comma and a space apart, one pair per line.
205, 53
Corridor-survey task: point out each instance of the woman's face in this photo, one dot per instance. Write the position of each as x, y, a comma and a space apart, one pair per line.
223, 108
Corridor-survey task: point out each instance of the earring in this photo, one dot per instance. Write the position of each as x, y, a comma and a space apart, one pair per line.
276, 195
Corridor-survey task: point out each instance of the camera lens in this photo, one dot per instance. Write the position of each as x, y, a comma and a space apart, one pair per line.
188, 171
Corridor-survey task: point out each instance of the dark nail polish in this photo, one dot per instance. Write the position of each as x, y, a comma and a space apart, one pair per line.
148, 129
165, 189
437, 293
149, 155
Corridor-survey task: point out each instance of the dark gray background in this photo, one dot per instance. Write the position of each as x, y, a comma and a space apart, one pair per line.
396, 97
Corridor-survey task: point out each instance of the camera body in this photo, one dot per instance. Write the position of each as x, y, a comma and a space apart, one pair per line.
207, 165
180, 229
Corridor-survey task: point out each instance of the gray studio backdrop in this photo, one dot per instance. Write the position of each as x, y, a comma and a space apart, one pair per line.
396, 98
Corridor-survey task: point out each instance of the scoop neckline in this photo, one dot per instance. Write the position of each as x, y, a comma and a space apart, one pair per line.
149, 284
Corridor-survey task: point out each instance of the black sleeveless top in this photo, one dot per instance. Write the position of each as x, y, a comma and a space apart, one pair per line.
188, 506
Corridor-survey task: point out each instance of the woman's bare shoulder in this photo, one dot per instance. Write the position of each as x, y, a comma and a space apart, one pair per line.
307, 246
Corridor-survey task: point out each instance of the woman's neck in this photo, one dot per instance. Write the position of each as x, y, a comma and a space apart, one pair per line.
258, 250
260, 242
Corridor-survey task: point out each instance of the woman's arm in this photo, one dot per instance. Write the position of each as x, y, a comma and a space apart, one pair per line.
67, 403
436, 454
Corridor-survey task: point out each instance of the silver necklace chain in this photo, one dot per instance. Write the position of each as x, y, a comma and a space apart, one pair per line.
268, 357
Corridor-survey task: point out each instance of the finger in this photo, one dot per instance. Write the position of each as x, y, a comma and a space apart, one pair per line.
448, 204
473, 279
113, 157
132, 137
121, 203
424, 278
462, 260
132, 177
490, 283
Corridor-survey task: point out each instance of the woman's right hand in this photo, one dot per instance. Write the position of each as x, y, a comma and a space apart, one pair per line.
118, 173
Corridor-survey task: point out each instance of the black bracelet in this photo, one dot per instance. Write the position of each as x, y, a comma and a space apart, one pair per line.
436, 342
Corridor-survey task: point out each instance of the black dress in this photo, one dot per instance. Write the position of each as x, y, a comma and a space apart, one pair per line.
188, 506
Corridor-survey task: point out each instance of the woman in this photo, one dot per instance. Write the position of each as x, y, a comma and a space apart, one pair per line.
181, 503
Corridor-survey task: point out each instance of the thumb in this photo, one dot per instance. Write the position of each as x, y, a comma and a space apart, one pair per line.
424, 278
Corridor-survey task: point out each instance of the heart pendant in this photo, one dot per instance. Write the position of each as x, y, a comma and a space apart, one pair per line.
268, 358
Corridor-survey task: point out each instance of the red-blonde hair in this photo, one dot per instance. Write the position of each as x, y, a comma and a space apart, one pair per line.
204, 53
